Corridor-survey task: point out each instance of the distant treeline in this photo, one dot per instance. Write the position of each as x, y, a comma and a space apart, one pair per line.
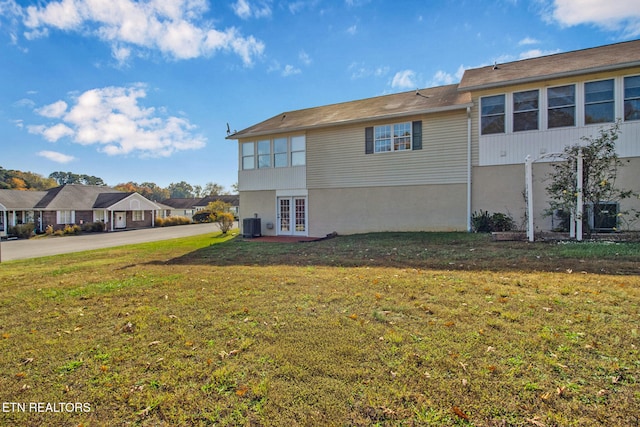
29, 181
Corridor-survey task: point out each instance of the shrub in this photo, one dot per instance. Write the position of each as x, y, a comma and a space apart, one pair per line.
159, 222
224, 221
173, 220
484, 222
22, 231
49, 230
93, 226
71, 229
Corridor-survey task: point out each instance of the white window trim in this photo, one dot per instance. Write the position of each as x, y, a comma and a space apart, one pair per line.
393, 145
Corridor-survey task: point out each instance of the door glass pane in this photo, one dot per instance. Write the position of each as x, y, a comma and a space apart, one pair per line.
300, 215
285, 215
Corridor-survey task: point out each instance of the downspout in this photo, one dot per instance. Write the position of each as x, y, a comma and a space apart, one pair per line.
469, 169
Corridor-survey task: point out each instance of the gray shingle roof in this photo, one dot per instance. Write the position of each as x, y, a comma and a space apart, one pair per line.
440, 98
181, 203
602, 58
20, 200
80, 197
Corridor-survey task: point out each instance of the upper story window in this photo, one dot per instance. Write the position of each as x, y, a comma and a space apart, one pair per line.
525, 110
395, 137
561, 102
382, 140
492, 111
632, 98
298, 151
598, 102
280, 153
402, 136
264, 154
248, 155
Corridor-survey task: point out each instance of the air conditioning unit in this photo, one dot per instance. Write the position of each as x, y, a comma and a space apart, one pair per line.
602, 216
251, 227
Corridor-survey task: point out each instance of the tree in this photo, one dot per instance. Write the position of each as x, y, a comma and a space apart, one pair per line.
600, 170
180, 190
213, 189
63, 178
220, 211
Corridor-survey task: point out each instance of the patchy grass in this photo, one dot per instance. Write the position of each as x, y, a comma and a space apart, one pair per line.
383, 329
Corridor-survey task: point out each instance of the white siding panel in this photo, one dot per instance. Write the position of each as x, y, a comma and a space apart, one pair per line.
514, 148
336, 157
272, 178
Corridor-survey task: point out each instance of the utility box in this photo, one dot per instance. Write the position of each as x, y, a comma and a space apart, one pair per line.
251, 227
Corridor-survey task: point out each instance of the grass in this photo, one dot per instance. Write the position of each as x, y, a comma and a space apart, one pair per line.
383, 329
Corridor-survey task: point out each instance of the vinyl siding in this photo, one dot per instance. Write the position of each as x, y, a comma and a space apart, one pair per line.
336, 156
272, 178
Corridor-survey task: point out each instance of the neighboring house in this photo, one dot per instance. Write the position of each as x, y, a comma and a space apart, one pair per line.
179, 206
188, 207
77, 204
232, 199
428, 159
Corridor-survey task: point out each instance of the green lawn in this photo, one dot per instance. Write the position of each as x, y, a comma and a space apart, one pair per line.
406, 329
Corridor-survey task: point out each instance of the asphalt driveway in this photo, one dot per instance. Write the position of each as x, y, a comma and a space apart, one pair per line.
35, 248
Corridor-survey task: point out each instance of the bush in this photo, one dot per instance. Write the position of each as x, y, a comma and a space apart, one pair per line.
92, 227
173, 220
484, 222
22, 231
71, 229
224, 221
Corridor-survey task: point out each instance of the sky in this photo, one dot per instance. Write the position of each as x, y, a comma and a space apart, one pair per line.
142, 90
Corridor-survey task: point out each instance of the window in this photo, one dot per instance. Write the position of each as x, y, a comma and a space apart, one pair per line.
264, 154
402, 136
598, 102
298, 151
561, 106
138, 215
525, 110
386, 141
632, 98
280, 153
65, 217
98, 216
248, 156
382, 141
492, 111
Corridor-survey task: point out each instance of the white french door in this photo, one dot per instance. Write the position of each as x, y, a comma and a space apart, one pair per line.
292, 216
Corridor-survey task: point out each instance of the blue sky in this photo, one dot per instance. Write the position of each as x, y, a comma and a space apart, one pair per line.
142, 90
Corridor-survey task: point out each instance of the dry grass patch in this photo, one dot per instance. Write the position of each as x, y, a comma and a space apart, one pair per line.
158, 334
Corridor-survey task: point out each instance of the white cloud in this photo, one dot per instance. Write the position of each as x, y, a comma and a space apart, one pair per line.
113, 119
619, 15
304, 58
352, 29
174, 28
360, 71
290, 70
54, 110
245, 10
528, 41
404, 80
56, 157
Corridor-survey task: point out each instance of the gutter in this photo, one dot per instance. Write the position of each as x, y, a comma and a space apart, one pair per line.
368, 119
469, 169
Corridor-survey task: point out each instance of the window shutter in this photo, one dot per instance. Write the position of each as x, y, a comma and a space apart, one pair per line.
417, 135
368, 140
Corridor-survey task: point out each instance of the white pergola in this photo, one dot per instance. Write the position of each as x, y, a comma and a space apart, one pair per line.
576, 214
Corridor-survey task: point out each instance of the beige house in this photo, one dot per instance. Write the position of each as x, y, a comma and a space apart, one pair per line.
427, 159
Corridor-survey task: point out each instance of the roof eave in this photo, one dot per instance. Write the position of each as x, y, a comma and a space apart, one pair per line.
571, 73
239, 135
